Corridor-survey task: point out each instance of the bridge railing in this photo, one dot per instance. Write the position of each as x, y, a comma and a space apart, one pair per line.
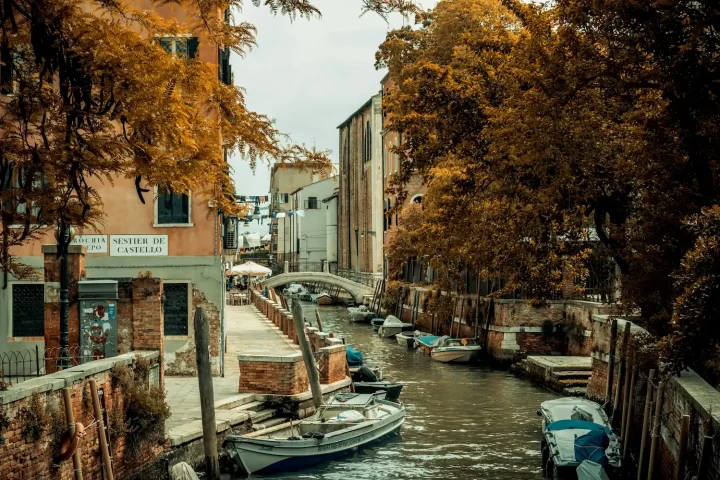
305, 267
364, 278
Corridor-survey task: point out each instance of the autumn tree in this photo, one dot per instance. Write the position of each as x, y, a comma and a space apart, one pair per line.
88, 93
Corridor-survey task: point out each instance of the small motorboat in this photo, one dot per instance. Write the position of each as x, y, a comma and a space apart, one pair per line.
360, 314
354, 357
322, 299
576, 435
426, 343
392, 326
407, 339
377, 323
346, 422
456, 350
392, 390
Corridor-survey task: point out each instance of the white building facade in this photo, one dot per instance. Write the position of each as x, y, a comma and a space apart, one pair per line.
310, 222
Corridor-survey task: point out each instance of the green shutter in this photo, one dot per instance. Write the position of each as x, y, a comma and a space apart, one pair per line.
192, 47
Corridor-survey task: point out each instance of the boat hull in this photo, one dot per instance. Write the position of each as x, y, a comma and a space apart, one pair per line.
392, 390
406, 340
267, 456
324, 300
455, 355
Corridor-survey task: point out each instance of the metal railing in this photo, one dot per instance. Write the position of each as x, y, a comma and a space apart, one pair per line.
364, 278
305, 266
19, 365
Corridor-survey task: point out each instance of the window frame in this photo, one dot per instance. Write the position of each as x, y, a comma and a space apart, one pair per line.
156, 219
190, 329
174, 39
310, 203
11, 320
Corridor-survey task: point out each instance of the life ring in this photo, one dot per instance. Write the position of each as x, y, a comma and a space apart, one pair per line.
70, 442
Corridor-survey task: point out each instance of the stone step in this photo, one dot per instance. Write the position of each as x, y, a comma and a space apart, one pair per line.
573, 373
269, 423
235, 401
263, 415
575, 392
573, 383
253, 406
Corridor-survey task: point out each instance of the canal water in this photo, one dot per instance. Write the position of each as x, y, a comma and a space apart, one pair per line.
463, 421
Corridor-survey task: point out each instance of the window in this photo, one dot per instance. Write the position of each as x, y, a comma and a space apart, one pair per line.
224, 67
180, 47
285, 197
173, 209
368, 142
417, 198
176, 308
312, 203
28, 309
31, 185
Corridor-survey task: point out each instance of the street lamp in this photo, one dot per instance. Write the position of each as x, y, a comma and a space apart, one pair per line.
64, 236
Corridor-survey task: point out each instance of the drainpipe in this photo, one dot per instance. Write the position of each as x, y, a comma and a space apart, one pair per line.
347, 198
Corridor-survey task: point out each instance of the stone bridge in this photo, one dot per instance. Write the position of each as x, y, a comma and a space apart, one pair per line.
355, 289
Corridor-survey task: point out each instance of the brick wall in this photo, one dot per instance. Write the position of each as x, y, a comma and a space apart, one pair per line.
21, 457
124, 315
273, 375
333, 364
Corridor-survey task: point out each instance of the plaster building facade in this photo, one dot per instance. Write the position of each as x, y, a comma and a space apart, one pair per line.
312, 232
176, 238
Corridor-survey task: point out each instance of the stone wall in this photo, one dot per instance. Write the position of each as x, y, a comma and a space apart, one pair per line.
282, 375
23, 457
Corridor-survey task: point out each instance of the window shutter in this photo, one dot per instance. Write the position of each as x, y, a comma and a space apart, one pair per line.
192, 47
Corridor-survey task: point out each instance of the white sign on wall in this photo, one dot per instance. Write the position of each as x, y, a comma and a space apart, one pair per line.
138, 245
93, 243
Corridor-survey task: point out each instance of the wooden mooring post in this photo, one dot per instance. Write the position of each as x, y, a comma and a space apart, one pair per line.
682, 448
207, 398
611, 361
627, 418
307, 354
646, 423
70, 419
622, 379
657, 418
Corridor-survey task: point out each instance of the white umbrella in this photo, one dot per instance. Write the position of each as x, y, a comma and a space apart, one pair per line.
250, 269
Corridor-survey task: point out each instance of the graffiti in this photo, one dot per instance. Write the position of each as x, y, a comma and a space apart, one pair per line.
98, 332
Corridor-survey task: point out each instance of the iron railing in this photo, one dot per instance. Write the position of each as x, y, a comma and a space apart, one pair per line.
19, 365
364, 278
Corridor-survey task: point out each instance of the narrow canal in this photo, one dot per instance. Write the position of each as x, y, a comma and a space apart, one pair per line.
463, 422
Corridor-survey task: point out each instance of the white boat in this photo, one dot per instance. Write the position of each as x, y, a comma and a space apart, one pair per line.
456, 350
360, 314
345, 423
294, 289
392, 326
407, 339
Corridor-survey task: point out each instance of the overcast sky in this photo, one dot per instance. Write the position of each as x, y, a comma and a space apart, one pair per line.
308, 76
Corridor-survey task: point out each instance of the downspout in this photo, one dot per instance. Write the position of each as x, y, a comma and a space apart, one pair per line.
347, 151
222, 291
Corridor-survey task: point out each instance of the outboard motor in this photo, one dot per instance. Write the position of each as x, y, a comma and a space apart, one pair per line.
364, 374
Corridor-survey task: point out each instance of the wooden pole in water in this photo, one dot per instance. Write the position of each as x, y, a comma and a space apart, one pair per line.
656, 429
611, 362
628, 418
646, 421
307, 354
107, 463
625, 397
682, 448
622, 376
705, 455
207, 399
319, 320
452, 319
70, 419
460, 318
477, 307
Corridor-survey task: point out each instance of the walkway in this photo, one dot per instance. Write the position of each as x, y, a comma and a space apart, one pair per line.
249, 332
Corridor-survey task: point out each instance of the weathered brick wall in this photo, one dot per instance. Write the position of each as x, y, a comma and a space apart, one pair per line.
273, 375
22, 457
523, 313
124, 316
333, 364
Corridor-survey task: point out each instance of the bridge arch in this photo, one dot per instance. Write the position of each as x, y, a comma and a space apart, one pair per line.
355, 289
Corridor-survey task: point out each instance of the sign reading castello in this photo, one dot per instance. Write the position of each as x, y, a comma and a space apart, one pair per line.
138, 245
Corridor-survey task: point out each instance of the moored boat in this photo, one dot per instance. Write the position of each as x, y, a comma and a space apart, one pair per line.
426, 343
392, 326
377, 323
322, 299
346, 422
360, 314
456, 350
392, 390
407, 339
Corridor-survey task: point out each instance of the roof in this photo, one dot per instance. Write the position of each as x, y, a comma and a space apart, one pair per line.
357, 112
335, 194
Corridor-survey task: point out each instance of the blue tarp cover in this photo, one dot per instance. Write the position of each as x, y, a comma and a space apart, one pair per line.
592, 446
354, 357
577, 425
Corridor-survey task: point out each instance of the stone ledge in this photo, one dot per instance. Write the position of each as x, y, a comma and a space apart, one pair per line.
704, 398
52, 249
296, 357
66, 378
333, 348
301, 397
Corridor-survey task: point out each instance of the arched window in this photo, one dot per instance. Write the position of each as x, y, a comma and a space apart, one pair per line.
417, 198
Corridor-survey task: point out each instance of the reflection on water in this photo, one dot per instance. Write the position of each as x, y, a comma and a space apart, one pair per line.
463, 422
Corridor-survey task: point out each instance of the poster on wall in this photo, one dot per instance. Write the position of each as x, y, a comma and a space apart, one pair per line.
138, 245
93, 243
